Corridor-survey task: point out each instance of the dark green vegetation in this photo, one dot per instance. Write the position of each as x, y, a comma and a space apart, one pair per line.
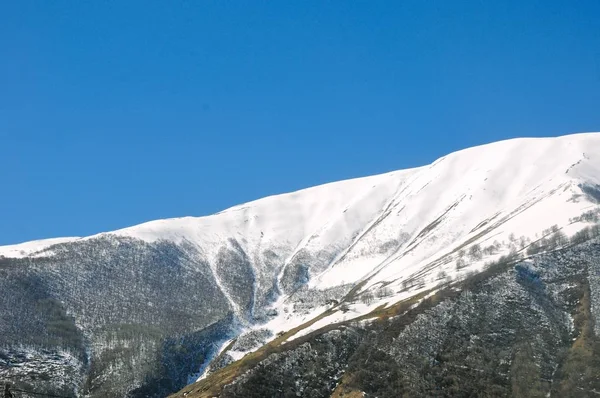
522, 328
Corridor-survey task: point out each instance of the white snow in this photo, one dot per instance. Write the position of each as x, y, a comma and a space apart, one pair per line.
354, 311
32, 248
522, 185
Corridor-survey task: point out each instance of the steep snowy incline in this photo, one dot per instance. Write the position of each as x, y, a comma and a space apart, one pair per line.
330, 214
388, 228
477, 195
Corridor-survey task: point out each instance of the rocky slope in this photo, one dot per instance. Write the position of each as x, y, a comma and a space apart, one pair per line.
521, 328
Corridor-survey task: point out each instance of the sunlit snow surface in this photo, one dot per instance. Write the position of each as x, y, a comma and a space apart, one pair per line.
31, 248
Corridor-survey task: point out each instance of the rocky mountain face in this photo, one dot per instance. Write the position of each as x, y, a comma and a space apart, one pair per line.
521, 328
308, 282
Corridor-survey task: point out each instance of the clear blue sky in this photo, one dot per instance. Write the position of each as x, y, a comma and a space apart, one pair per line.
114, 113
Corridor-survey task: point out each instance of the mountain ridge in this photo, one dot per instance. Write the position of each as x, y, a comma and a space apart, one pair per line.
41, 244
265, 267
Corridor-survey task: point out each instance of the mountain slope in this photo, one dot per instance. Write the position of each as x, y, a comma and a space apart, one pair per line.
270, 265
520, 328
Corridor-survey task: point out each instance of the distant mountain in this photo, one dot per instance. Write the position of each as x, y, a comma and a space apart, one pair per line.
145, 310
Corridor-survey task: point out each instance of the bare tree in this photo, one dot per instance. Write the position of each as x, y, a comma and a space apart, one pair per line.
367, 298
475, 252
384, 292
442, 275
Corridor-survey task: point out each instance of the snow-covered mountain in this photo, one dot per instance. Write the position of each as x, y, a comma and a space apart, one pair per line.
389, 236
392, 225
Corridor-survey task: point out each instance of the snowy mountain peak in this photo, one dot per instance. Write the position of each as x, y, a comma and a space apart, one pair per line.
399, 223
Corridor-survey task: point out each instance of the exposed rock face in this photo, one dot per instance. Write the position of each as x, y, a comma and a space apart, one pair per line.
311, 370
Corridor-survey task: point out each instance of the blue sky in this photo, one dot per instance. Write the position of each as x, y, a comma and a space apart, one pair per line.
115, 113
